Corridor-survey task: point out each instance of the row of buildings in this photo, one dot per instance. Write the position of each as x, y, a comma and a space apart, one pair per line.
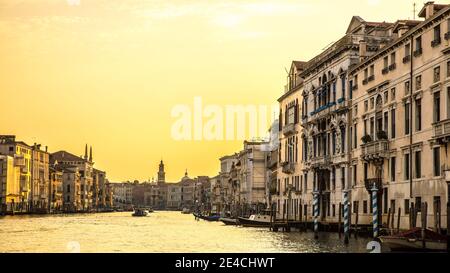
371, 112
189, 193
33, 180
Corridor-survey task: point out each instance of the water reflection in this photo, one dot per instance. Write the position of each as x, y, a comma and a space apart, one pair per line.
159, 232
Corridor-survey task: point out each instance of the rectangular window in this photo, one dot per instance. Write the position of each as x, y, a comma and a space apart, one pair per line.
407, 121
407, 206
355, 172
407, 50
355, 136
392, 94
418, 114
343, 178
418, 164
418, 82
386, 123
392, 58
366, 170
437, 161
365, 206
372, 127
386, 62
437, 34
407, 168
393, 168
418, 205
437, 106
419, 43
385, 200
393, 123
407, 89
437, 74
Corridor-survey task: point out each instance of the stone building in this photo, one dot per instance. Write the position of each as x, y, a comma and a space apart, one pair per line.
55, 196
40, 179
10, 192
400, 112
21, 152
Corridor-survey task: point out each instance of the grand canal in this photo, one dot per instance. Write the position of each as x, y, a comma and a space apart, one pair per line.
159, 232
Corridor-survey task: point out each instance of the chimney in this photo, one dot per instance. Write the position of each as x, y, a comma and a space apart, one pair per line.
46, 149
90, 154
427, 10
402, 30
362, 50
85, 152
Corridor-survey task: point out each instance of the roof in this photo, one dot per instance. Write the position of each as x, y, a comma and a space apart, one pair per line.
436, 7
65, 156
403, 23
300, 65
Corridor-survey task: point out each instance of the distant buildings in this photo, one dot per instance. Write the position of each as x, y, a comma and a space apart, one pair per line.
192, 193
35, 181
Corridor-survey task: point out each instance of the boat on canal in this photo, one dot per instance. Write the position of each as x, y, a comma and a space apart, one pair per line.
411, 241
256, 220
140, 213
210, 218
229, 221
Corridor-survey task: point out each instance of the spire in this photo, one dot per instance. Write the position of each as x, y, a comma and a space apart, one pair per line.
186, 173
90, 154
85, 152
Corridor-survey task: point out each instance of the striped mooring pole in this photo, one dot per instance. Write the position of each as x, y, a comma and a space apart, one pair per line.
375, 210
346, 220
316, 214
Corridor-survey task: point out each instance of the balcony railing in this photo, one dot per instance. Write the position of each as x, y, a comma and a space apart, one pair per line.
385, 70
441, 129
323, 160
289, 129
406, 59
392, 66
436, 42
417, 52
447, 36
378, 149
288, 167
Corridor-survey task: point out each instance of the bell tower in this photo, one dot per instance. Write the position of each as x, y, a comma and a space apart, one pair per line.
161, 173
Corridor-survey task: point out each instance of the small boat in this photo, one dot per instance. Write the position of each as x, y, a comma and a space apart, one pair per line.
255, 220
411, 240
229, 221
186, 211
211, 218
140, 213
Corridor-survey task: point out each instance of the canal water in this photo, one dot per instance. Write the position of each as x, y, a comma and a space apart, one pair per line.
162, 232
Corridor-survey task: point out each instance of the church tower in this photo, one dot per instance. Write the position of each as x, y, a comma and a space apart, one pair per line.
161, 173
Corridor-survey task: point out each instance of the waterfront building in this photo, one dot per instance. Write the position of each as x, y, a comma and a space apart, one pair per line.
10, 191
123, 194
71, 188
228, 189
272, 156
252, 177
21, 152
109, 196
216, 195
173, 196
40, 179
99, 189
85, 168
286, 160
400, 112
55, 197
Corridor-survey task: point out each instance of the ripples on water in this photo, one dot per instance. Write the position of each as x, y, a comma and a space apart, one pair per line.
159, 232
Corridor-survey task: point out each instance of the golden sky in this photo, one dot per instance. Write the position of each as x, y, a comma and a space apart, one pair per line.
109, 72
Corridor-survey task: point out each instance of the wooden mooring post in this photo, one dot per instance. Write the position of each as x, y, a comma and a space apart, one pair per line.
389, 220
424, 211
356, 219
340, 220
398, 219
393, 221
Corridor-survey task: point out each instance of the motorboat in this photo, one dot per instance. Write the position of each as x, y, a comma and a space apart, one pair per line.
255, 220
140, 213
411, 240
229, 221
211, 218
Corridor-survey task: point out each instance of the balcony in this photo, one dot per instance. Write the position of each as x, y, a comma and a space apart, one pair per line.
324, 109
289, 129
385, 70
273, 159
441, 129
417, 52
371, 78
375, 150
288, 167
355, 87
320, 161
370, 182
436, 42
392, 66
447, 36
407, 59
365, 81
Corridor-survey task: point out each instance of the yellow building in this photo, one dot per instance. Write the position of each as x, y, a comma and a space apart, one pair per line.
21, 152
